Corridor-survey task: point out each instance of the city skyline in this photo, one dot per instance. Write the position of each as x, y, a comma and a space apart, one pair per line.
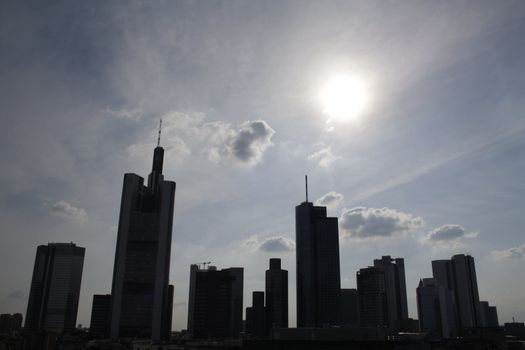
432, 169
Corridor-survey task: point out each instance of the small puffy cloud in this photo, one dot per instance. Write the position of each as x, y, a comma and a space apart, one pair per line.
277, 244
251, 140
450, 232
448, 235
330, 199
17, 294
324, 157
272, 244
362, 222
513, 253
67, 211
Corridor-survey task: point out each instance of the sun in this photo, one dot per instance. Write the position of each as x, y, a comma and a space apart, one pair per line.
344, 98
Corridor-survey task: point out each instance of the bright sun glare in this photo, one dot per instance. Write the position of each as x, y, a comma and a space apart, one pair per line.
344, 98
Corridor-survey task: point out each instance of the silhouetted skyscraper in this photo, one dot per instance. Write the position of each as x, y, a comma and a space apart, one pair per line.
277, 295
373, 310
215, 302
256, 324
350, 307
140, 305
318, 271
100, 316
382, 293
458, 275
489, 314
396, 290
435, 309
55, 287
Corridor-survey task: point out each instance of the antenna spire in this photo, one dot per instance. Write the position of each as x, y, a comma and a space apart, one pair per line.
160, 129
306, 186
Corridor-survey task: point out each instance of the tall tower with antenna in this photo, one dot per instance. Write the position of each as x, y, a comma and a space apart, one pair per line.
317, 266
141, 297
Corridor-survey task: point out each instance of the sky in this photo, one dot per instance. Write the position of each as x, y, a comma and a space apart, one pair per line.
431, 166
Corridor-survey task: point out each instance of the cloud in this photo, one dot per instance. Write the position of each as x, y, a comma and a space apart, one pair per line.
361, 222
272, 244
448, 236
251, 140
277, 244
67, 211
330, 199
131, 114
324, 157
17, 294
513, 253
449, 232
215, 140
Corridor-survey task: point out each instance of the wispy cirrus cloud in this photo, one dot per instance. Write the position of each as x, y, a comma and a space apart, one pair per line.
324, 157
125, 113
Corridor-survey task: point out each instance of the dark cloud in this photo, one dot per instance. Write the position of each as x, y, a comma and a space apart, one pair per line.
251, 140
277, 244
67, 211
361, 222
331, 199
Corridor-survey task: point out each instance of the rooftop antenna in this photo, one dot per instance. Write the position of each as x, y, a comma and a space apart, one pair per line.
160, 128
306, 186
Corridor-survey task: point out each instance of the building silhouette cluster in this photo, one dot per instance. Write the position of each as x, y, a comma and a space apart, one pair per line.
141, 301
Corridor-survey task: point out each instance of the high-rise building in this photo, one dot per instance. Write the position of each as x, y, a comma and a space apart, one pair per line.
55, 287
382, 293
215, 302
256, 324
9, 323
489, 314
349, 307
277, 295
100, 312
458, 275
372, 297
467, 295
317, 266
140, 294
435, 309
395, 285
